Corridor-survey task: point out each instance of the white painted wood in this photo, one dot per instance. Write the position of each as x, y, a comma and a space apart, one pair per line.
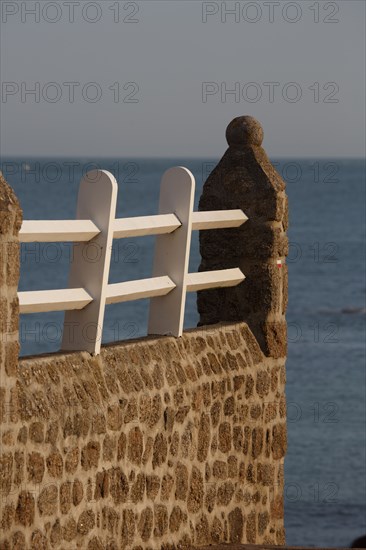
53, 300
214, 279
85, 230
57, 231
218, 219
91, 262
145, 225
171, 258
167, 223
136, 290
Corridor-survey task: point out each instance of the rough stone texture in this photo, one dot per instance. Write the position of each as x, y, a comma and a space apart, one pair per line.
158, 442
10, 222
246, 179
203, 477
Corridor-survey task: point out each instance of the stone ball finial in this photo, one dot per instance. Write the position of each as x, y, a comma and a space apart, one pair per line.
244, 131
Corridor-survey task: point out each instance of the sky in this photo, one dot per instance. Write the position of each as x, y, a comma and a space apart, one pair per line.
164, 78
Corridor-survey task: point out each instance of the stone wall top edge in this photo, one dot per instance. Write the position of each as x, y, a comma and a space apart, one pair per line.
203, 331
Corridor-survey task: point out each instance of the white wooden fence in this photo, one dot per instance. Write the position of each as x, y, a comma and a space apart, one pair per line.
89, 292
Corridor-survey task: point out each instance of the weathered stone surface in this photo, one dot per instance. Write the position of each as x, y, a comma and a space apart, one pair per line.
215, 413
36, 432
65, 497
47, 500
24, 513
6, 469
225, 437
114, 417
90, 455
55, 465
72, 460
202, 530
99, 424
263, 521
110, 520
18, 467
238, 438
38, 541
219, 469
181, 473
69, 530
232, 463
196, 490
245, 179
109, 447
131, 413
257, 442
145, 524
77, 492
277, 507
263, 383
203, 438
251, 528
174, 444
236, 523
95, 544
23, 435
56, 533
160, 520
152, 486
279, 441
52, 433
138, 488
274, 338
119, 486
175, 520
86, 522
121, 446
217, 530
7, 517
166, 486
155, 413
225, 493
160, 450
135, 445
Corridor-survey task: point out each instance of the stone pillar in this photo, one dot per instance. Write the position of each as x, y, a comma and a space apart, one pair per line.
10, 222
246, 179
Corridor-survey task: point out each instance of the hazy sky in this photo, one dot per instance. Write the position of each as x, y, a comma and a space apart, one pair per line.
152, 78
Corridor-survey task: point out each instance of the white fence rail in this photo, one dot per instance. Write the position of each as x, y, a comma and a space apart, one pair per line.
89, 292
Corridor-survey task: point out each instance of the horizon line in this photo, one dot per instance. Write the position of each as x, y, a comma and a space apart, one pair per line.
173, 157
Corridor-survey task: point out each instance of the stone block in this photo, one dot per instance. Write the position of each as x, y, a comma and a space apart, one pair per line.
90, 455
145, 523
225, 437
279, 441
47, 500
196, 491
86, 522
55, 465
35, 467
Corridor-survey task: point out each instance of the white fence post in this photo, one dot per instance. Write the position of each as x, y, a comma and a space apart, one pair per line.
172, 252
91, 262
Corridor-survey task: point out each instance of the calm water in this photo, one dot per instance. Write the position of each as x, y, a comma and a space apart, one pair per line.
325, 464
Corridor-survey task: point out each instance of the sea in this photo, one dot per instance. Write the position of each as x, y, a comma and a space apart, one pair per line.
325, 466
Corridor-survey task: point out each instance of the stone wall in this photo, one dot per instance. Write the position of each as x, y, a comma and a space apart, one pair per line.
157, 442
